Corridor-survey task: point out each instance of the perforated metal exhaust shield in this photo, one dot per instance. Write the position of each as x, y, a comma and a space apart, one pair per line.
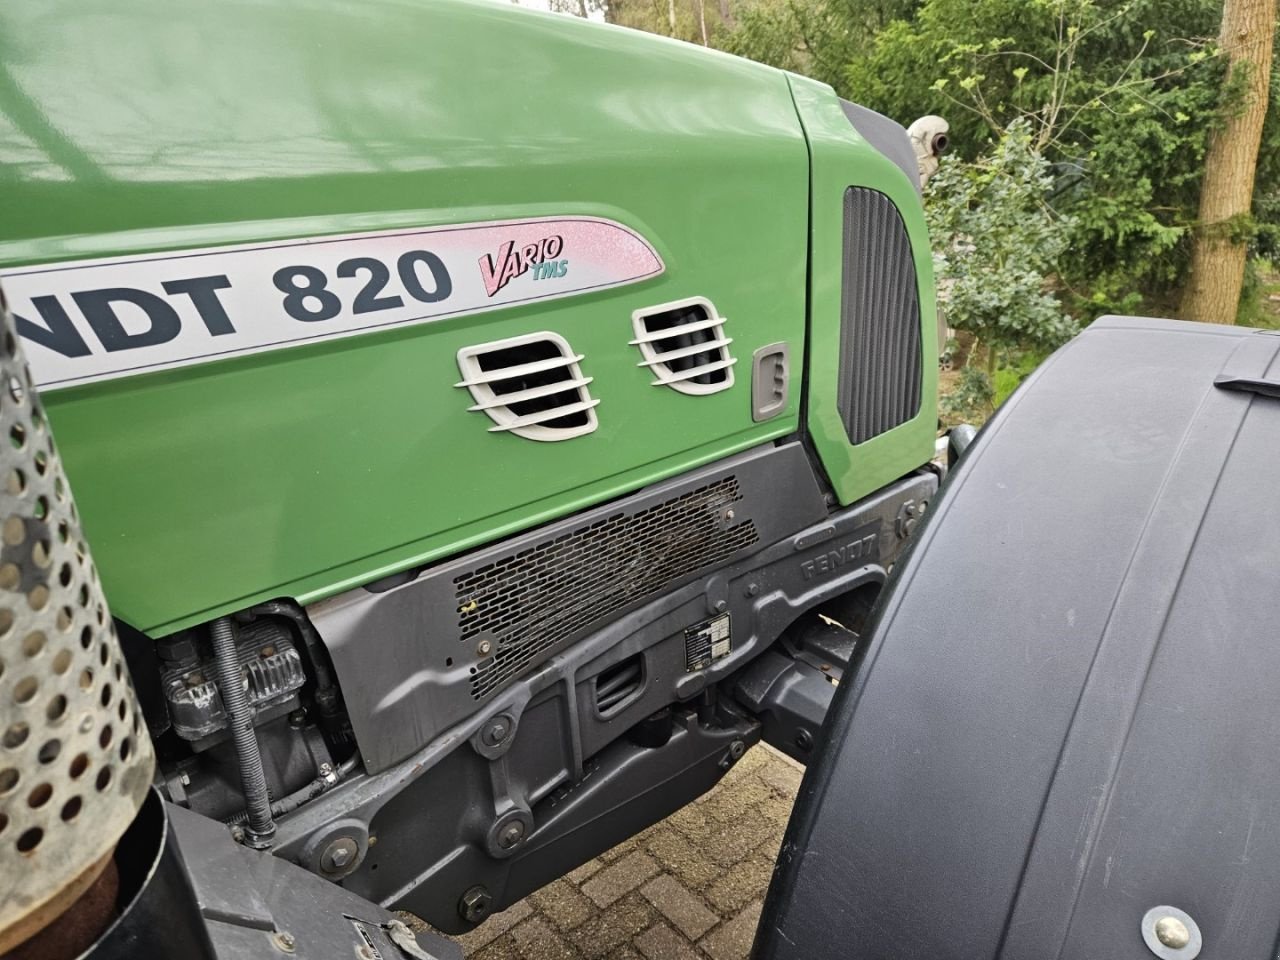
75, 758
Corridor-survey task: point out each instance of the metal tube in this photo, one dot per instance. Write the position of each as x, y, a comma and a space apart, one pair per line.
321, 784
261, 827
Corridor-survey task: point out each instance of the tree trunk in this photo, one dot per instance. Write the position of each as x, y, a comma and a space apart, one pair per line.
1218, 248
671, 17
702, 21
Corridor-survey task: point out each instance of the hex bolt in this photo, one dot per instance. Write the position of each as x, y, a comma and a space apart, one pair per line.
474, 904
284, 941
729, 514
484, 648
511, 834
736, 749
721, 606
338, 854
497, 730
753, 589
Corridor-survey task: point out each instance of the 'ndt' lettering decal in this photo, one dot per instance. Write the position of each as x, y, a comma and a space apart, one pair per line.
101, 319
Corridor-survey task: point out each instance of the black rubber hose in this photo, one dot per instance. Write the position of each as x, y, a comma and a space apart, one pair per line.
253, 780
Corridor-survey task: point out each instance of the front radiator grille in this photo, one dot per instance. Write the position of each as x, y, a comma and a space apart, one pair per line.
529, 602
880, 362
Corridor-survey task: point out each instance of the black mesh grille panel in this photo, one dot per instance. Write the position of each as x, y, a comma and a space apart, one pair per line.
529, 602
880, 362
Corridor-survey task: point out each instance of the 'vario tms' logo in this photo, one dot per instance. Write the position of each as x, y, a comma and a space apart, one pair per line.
541, 257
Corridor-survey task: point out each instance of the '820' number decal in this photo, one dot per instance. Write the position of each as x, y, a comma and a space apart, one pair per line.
100, 319
302, 283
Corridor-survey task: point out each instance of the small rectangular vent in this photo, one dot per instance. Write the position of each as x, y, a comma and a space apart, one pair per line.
880, 361
684, 345
528, 603
530, 386
618, 684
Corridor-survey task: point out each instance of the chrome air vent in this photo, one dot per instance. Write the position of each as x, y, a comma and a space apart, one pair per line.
684, 345
531, 386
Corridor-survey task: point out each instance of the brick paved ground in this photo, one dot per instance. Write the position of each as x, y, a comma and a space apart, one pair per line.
688, 887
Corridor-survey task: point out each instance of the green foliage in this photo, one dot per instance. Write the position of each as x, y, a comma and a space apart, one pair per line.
1120, 98
996, 245
970, 400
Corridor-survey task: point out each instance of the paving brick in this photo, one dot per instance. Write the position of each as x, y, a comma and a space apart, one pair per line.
620, 878
660, 942
621, 850
782, 776
501, 948
563, 904
692, 820
681, 857
614, 927
733, 800
536, 940
679, 905
588, 869
626, 952
734, 842
739, 886
495, 926
758, 757
732, 940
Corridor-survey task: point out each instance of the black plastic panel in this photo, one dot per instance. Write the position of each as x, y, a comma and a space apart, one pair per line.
418, 657
880, 358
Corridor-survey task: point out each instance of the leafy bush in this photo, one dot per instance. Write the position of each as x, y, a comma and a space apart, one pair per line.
996, 246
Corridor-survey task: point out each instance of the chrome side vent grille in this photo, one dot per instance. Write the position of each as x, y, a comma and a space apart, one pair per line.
617, 685
530, 386
684, 345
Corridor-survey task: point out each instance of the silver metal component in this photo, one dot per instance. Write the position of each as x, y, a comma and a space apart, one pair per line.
511, 834
284, 941
497, 730
338, 854
76, 759
1171, 934
484, 648
737, 749
729, 514
337, 849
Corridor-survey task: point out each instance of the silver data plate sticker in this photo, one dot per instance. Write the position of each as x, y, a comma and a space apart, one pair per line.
707, 642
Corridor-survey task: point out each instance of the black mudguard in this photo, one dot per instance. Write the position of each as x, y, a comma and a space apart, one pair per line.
1069, 710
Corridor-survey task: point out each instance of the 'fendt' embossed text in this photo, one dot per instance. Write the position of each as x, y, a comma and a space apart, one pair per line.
833, 560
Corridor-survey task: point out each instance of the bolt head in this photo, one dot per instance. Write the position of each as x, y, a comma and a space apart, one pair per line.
339, 854
1172, 932
474, 904
511, 834
499, 729
484, 648
285, 941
